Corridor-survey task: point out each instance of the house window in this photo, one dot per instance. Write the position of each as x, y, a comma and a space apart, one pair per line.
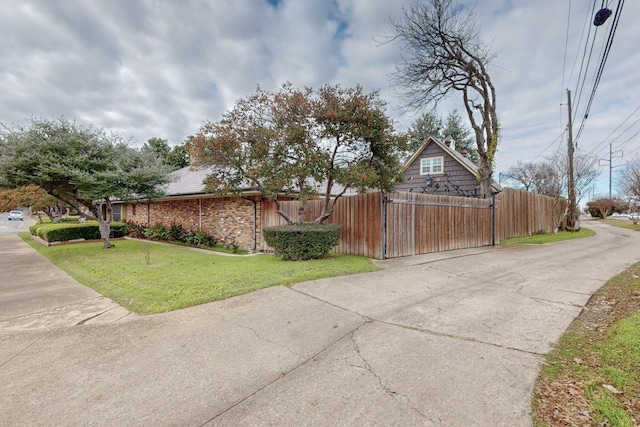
117, 212
431, 165
133, 209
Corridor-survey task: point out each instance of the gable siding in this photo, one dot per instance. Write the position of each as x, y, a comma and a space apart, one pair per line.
443, 184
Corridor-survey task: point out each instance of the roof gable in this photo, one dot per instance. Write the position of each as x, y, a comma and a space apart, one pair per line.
458, 157
454, 154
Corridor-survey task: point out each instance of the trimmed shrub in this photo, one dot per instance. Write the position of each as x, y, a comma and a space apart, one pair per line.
67, 231
297, 242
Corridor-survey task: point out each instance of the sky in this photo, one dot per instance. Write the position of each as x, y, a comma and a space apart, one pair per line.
151, 68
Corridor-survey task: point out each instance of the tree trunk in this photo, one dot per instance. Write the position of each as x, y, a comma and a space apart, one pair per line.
104, 224
484, 177
105, 232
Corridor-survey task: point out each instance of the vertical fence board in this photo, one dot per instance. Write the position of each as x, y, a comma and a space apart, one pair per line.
424, 223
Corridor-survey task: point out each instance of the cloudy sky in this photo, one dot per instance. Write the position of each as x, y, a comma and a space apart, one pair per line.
152, 68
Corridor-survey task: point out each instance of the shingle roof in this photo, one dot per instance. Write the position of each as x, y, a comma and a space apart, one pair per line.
187, 180
190, 181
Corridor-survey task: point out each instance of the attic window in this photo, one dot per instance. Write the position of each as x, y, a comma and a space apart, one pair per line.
431, 165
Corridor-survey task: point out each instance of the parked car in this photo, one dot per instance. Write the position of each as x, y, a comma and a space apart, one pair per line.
16, 215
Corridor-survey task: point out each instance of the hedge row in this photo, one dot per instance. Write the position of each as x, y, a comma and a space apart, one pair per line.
297, 242
58, 232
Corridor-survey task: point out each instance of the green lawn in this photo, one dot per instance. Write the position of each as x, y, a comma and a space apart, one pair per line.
624, 223
150, 278
592, 377
550, 237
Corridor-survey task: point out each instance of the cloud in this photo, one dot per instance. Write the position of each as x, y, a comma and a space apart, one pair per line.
159, 69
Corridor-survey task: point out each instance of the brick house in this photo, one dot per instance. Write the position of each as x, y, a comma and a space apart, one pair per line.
437, 168
229, 218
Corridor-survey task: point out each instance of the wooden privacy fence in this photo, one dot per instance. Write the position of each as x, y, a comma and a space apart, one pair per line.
390, 225
360, 218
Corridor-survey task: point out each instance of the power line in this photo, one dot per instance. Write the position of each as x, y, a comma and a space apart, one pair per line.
616, 129
549, 146
564, 59
583, 77
603, 61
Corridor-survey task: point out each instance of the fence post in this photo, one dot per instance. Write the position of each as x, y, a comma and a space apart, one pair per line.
384, 225
493, 219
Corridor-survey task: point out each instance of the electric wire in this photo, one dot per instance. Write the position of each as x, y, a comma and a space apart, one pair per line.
549, 146
604, 141
582, 78
564, 60
603, 61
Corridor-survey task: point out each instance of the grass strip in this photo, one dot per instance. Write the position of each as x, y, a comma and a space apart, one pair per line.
592, 377
150, 278
541, 238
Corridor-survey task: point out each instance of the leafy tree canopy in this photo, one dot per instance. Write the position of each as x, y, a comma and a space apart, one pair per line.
304, 143
85, 168
430, 124
33, 197
176, 157
442, 54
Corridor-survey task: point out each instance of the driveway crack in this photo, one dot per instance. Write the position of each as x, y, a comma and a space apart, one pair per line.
367, 367
82, 322
298, 366
261, 338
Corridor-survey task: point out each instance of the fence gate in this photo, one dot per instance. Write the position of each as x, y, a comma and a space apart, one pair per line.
423, 223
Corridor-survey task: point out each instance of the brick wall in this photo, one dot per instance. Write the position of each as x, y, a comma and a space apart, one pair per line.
226, 218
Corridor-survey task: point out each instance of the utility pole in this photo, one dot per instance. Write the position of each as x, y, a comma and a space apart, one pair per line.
610, 161
571, 184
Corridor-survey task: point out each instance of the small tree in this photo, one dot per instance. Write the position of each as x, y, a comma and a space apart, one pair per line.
303, 144
441, 54
584, 169
83, 167
602, 207
541, 178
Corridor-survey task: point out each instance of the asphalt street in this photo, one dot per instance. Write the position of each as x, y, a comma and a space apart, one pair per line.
454, 339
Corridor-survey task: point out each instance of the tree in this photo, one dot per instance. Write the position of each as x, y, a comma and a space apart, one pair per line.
175, 157
35, 198
302, 143
160, 147
585, 172
602, 207
83, 167
461, 135
441, 54
541, 178
178, 158
430, 124
629, 180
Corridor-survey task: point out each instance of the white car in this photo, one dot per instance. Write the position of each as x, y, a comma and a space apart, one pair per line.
16, 215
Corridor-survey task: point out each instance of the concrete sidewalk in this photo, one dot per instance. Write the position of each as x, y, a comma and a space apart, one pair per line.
451, 339
36, 294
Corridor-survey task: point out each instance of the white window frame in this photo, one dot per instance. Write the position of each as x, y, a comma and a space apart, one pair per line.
427, 165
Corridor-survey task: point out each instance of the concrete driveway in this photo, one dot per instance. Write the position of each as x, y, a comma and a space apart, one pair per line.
450, 339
